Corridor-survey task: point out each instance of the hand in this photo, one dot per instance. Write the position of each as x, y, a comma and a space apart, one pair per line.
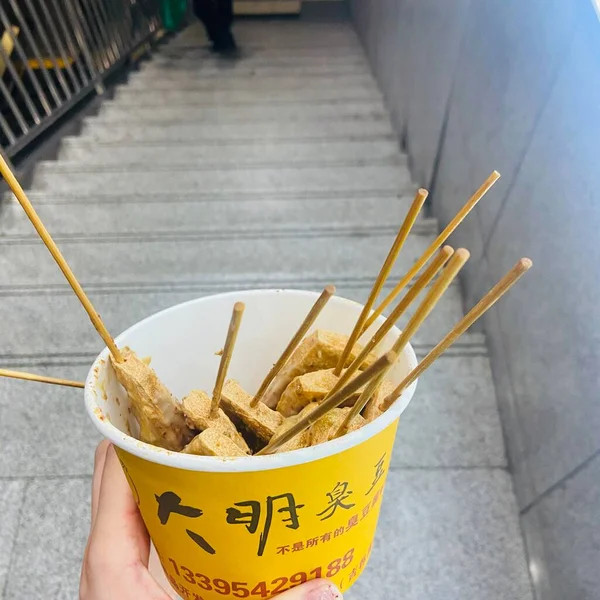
118, 554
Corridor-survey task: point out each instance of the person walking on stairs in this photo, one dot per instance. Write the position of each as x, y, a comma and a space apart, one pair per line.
217, 18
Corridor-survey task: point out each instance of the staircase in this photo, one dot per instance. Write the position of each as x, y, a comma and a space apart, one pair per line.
203, 176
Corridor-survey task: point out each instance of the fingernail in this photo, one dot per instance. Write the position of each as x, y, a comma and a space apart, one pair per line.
326, 591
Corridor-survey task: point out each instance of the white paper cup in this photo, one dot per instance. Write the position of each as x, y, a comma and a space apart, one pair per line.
248, 527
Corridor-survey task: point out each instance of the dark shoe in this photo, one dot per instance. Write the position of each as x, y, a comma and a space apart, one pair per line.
225, 44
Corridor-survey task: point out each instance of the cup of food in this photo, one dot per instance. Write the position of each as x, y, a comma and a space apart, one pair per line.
227, 523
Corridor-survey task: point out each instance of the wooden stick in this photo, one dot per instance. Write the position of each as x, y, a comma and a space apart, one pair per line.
475, 313
423, 281
40, 378
311, 317
429, 302
377, 367
460, 216
407, 225
232, 333
17, 190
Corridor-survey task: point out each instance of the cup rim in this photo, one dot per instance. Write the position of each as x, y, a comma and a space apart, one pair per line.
214, 464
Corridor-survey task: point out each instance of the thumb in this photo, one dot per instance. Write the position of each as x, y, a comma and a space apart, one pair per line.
319, 589
118, 528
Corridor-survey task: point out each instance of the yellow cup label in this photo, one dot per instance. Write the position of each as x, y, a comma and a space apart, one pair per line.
254, 535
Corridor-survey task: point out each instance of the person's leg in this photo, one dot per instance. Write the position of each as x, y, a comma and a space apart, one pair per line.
208, 12
226, 41
226, 10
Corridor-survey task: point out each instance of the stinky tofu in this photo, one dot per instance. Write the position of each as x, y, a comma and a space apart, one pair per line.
196, 408
260, 420
302, 440
373, 410
156, 410
326, 427
310, 387
320, 350
213, 443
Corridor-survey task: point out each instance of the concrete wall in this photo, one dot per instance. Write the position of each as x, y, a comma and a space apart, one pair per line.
514, 85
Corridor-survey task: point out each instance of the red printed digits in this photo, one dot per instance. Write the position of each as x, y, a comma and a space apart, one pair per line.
348, 558
221, 586
262, 589
279, 584
203, 581
298, 579
188, 575
333, 568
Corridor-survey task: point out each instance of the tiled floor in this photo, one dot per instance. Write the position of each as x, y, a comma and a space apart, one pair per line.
201, 176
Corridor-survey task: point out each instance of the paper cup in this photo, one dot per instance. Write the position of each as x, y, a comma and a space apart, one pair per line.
248, 527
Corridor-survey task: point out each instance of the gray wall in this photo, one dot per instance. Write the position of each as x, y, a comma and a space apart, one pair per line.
514, 85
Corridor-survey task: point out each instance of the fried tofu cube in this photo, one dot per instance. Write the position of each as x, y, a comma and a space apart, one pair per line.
320, 350
373, 409
196, 408
310, 387
302, 440
260, 420
326, 427
213, 443
157, 411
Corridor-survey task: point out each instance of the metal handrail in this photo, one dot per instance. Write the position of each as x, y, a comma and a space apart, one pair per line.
54, 53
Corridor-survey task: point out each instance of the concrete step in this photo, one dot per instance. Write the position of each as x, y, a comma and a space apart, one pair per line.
286, 40
190, 218
234, 84
106, 196
141, 258
264, 54
233, 133
64, 334
163, 179
302, 44
210, 69
125, 94
141, 167
249, 153
204, 59
274, 29
365, 110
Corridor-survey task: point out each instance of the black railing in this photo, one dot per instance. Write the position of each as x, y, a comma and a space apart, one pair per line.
53, 53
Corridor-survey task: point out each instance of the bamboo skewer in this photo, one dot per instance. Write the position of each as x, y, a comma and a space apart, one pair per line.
442, 237
311, 317
232, 333
475, 313
423, 281
407, 225
40, 378
381, 364
20, 195
427, 305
